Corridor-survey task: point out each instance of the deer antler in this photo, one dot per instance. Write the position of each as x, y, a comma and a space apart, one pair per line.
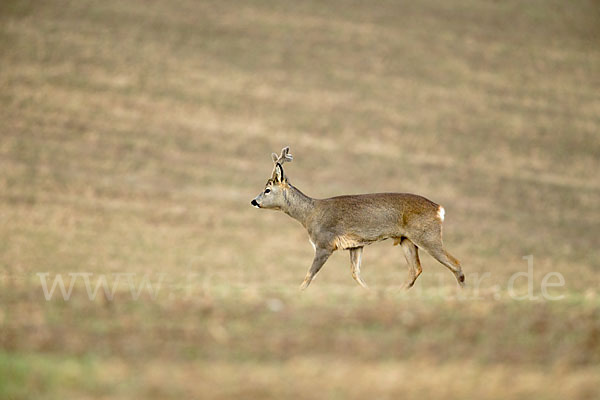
284, 157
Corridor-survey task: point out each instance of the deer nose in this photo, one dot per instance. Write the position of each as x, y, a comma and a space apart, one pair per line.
254, 203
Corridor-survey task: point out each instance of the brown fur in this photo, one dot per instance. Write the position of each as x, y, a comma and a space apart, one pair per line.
352, 222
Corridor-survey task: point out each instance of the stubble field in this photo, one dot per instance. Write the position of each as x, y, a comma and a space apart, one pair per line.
134, 134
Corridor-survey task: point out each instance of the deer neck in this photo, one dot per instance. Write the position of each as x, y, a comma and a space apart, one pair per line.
297, 204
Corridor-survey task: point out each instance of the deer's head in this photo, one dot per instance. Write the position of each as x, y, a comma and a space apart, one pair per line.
273, 195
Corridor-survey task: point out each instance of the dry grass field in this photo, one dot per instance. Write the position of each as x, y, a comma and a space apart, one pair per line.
133, 135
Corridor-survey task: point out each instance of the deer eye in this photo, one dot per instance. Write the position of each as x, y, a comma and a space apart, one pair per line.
267, 191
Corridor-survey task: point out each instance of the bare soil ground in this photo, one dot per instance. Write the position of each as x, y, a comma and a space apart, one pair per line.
133, 135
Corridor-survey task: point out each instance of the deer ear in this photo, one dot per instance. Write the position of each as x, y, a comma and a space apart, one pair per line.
278, 173
275, 157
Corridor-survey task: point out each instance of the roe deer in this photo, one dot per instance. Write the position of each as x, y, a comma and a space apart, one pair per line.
352, 222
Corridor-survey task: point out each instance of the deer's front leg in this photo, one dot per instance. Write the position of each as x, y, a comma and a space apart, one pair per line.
355, 259
321, 255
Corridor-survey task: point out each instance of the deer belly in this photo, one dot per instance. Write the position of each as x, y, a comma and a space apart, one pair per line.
344, 242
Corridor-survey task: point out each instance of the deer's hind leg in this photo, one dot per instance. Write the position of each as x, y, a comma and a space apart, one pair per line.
450, 262
432, 243
411, 252
355, 260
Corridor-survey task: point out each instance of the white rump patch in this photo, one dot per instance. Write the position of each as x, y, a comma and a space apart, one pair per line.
441, 213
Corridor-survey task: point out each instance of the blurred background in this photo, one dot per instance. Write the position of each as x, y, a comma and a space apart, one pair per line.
133, 135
